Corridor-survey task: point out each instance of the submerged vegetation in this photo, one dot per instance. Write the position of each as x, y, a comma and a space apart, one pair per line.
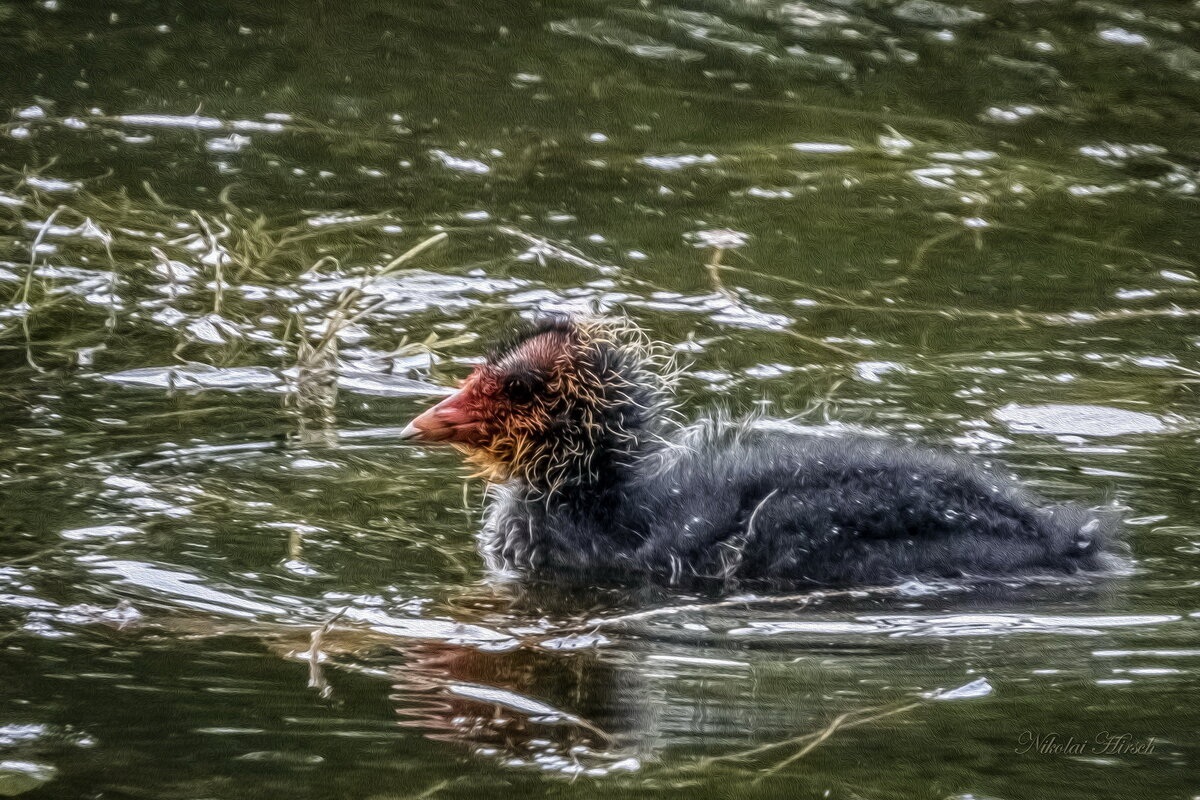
231, 286
192, 279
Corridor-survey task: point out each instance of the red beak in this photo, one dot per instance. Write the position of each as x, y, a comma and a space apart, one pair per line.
451, 420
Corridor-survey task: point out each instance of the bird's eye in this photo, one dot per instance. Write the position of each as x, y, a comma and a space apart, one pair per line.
520, 389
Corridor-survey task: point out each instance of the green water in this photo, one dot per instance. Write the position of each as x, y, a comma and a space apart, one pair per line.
969, 225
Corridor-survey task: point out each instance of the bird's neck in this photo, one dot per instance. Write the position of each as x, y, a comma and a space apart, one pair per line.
583, 469
573, 526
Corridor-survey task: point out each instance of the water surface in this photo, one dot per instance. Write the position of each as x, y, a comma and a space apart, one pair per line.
969, 225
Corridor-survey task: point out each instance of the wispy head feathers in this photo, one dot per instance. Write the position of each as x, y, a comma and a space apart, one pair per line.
573, 401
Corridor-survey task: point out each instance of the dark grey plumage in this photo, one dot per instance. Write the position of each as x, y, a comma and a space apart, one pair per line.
743, 505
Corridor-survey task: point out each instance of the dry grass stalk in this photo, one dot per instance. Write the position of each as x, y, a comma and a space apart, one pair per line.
316, 677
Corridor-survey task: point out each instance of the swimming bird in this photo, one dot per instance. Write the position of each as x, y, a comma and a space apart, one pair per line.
594, 481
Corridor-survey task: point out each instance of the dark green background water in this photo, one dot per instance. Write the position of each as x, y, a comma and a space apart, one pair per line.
969, 225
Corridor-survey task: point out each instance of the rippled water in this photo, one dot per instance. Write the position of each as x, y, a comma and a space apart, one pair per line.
224, 577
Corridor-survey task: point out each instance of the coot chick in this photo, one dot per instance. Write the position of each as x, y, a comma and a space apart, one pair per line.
594, 482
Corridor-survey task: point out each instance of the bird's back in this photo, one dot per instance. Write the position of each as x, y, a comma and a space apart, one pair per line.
747, 504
